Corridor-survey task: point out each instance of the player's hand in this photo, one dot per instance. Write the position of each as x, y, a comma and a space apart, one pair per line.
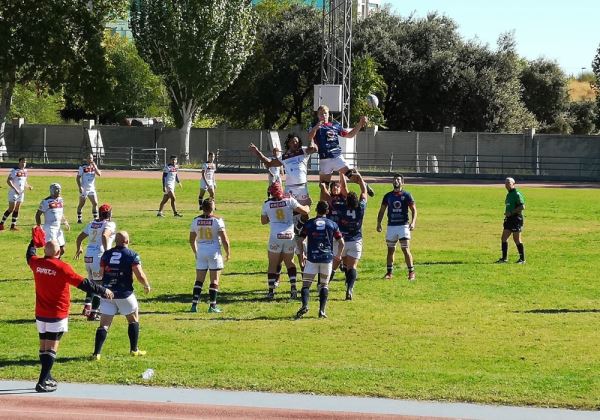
411, 226
30, 187
227, 256
379, 227
67, 225
77, 254
253, 148
108, 294
364, 120
147, 289
337, 258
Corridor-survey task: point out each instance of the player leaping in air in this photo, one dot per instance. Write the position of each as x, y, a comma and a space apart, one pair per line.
325, 135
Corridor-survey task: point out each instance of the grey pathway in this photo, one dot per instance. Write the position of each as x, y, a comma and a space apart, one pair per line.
296, 401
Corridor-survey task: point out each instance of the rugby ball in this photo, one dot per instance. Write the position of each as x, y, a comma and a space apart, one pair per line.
372, 100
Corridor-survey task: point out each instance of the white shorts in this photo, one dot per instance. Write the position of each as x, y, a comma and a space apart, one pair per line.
279, 243
353, 249
119, 306
207, 185
13, 197
53, 327
396, 233
328, 166
312, 268
170, 187
56, 234
300, 193
89, 193
92, 266
209, 260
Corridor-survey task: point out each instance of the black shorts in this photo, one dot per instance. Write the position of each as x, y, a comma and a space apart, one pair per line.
513, 223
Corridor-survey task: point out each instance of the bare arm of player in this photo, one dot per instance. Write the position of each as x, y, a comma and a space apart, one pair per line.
341, 245
225, 242
192, 240
38, 218
269, 163
313, 132
303, 210
325, 194
380, 216
96, 170
105, 237
78, 179
141, 277
362, 122
264, 219
413, 210
362, 185
343, 184
78, 243
11, 185
66, 223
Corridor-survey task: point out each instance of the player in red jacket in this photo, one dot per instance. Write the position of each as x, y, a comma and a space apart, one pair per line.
52, 302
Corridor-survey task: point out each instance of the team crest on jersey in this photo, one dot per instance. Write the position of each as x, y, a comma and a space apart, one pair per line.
88, 169
21, 174
398, 204
330, 134
55, 205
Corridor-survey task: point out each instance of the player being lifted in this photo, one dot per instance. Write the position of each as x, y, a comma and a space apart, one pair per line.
17, 182
398, 202
278, 211
169, 179
100, 234
52, 207
325, 135
86, 182
207, 233
295, 164
208, 182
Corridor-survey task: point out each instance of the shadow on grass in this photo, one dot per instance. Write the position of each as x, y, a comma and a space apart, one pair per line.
36, 362
224, 298
560, 311
238, 319
18, 321
14, 280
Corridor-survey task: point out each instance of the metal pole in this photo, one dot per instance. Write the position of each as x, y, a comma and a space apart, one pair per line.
131, 156
416, 143
391, 162
206, 158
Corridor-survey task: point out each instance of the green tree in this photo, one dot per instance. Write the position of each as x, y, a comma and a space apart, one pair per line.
36, 104
275, 88
51, 43
596, 83
198, 47
585, 116
366, 80
545, 90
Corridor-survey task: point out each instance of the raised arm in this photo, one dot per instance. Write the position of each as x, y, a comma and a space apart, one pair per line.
362, 122
96, 170
343, 184
325, 194
269, 163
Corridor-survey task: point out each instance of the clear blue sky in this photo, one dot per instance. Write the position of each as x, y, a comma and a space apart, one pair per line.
565, 31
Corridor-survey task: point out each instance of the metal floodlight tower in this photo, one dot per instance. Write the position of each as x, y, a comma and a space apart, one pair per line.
336, 54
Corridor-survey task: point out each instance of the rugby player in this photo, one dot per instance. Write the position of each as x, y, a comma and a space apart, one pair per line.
321, 233
278, 212
101, 234
325, 135
398, 203
52, 207
207, 233
169, 178
208, 182
118, 265
86, 182
17, 183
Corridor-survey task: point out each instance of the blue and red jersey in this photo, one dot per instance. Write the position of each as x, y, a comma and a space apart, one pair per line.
327, 140
397, 203
320, 234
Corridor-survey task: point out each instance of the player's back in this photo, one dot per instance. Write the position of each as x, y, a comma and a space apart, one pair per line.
95, 231
118, 265
320, 233
280, 214
207, 230
350, 221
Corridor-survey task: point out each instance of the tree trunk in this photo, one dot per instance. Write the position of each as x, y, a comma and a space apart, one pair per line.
187, 116
6, 92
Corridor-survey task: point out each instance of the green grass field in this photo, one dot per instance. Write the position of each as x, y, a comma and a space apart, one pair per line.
466, 330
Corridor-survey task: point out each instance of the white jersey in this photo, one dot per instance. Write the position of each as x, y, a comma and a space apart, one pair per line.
274, 174
170, 175
209, 172
18, 177
88, 177
207, 232
95, 231
281, 216
53, 212
296, 166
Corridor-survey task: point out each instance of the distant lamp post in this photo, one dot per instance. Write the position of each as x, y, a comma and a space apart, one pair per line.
581, 75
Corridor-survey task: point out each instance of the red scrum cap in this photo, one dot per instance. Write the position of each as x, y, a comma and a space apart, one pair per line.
276, 190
